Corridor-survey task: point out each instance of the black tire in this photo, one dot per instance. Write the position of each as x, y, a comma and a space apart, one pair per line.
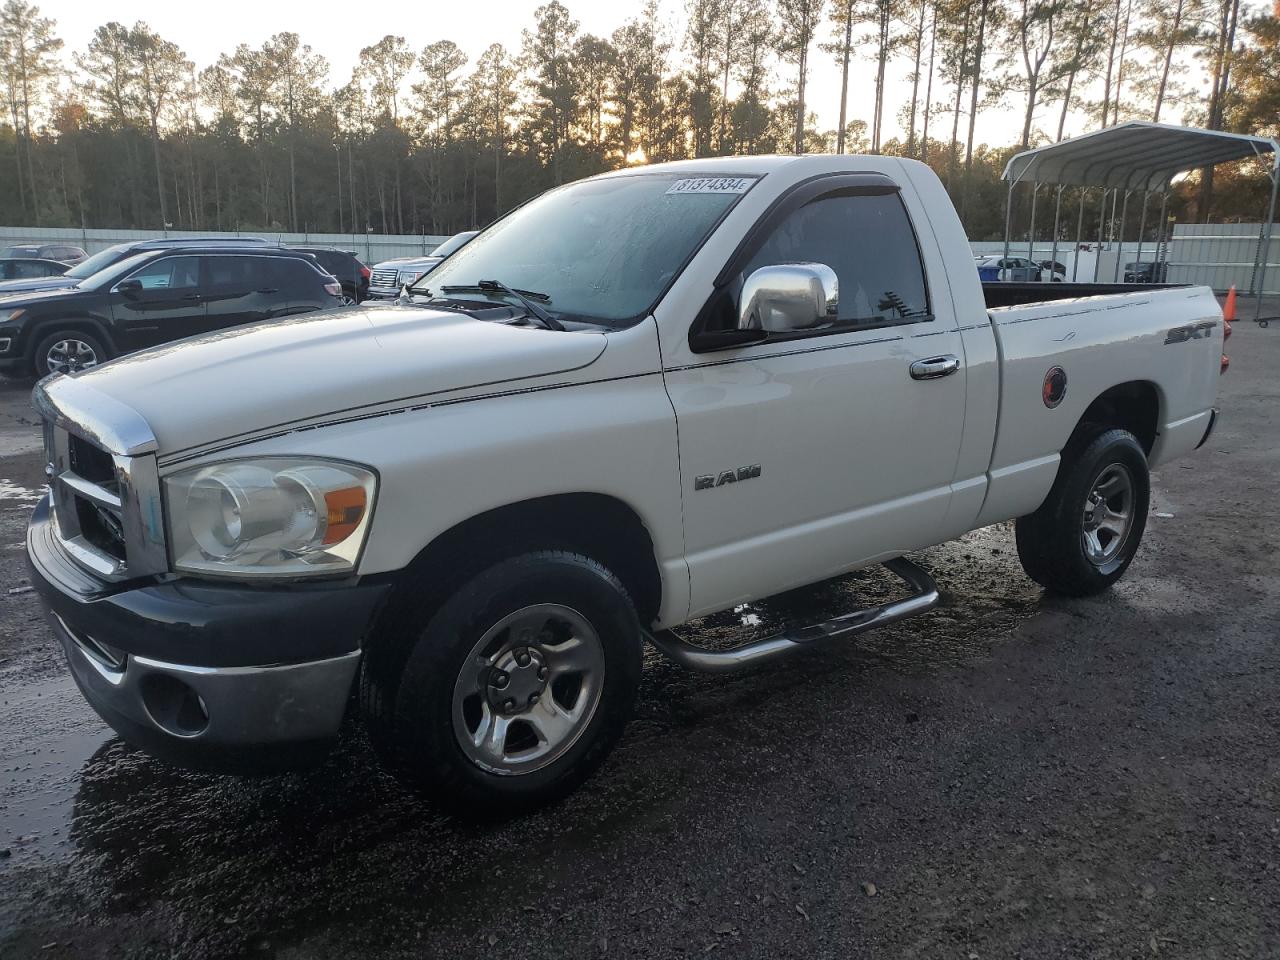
1052, 542
407, 684
40, 356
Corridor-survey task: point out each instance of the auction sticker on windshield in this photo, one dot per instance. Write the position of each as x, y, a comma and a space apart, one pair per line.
712, 185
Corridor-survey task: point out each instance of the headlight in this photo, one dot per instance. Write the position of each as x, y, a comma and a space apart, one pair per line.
273, 517
409, 277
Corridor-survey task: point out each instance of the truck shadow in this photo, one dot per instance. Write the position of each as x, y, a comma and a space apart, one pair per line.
242, 864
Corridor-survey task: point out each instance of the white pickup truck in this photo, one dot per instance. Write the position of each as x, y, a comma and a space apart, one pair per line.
633, 401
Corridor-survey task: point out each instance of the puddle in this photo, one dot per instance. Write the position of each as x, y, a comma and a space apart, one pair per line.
50, 733
13, 491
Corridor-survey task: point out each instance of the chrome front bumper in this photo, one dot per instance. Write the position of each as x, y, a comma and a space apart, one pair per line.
214, 706
212, 675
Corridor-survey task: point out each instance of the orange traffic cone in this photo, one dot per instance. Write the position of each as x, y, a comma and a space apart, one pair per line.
1229, 308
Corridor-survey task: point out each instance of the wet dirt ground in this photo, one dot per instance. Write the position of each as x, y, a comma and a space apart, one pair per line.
1011, 775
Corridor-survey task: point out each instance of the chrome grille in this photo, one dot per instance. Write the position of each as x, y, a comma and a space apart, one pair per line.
106, 505
385, 278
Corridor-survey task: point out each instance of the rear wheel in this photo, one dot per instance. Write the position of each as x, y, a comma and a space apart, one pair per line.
512, 690
67, 351
1085, 534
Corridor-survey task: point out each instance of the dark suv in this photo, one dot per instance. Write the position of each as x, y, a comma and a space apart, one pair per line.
154, 297
113, 255
343, 264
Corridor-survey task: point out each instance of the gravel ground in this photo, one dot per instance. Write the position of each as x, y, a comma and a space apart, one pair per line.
1009, 776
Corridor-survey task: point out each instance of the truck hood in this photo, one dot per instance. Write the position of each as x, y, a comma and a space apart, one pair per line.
249, 379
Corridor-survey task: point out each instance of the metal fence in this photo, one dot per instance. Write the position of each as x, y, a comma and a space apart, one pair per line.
369, 247
1218, 255
1222, 255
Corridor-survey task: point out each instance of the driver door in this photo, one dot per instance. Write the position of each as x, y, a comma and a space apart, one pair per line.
167, 307
817, 450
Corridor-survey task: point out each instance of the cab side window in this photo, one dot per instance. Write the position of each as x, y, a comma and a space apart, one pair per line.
867, 239
169, 273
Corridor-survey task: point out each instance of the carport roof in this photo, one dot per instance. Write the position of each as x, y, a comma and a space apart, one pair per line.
1137, 155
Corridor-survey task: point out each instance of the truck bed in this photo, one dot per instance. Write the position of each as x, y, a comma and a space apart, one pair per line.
1004, 294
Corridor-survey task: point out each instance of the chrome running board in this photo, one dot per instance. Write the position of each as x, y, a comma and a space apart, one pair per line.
923, 598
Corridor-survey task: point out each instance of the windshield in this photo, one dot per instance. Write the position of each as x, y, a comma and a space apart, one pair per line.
599, 250
103, 258
452, 244
104, 278
19, 253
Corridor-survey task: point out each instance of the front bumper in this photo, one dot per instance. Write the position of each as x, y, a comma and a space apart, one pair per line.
206, 674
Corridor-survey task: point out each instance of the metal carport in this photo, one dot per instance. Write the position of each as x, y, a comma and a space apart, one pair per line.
1132, 157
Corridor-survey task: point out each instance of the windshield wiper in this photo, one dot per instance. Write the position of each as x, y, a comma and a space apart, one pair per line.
526, 297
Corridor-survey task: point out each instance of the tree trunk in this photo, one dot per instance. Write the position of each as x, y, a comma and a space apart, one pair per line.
1029, 113
844, 79
1168, 60
962, 72
1111, 58
724, 84
17, 161
915, 82
155, 151
973, 104
928, 88
804, 67
882, 57
1066, 104
1124, 48
1221, 83
26, 134
293, 181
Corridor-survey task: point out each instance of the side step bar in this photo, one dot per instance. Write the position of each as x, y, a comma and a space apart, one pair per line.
923, 598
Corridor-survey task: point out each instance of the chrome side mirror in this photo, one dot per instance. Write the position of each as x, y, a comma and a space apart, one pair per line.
789, 296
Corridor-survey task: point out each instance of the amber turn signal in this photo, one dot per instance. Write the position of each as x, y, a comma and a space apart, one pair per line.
345, 510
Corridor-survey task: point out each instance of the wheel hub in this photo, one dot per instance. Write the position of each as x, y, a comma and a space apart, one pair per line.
518, 680
529, 689
1108, 514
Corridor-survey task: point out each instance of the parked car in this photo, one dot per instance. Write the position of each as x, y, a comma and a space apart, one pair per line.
1009, 269
113, 255
646, 397
1145, 271
1056, 272
391, 276
34, 250
154, 297
346, 266
29, 269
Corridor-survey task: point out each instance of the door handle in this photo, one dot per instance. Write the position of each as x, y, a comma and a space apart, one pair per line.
269, 290
193, 296
935, 367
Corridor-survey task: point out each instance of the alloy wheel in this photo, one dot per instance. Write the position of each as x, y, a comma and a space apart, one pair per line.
1108, 514
528, 689
70, 355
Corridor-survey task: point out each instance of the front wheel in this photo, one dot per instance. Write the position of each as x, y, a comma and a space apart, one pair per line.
1085, 534
513, 690
67, 351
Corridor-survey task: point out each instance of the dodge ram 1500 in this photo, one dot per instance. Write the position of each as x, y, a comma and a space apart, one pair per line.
638, 399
